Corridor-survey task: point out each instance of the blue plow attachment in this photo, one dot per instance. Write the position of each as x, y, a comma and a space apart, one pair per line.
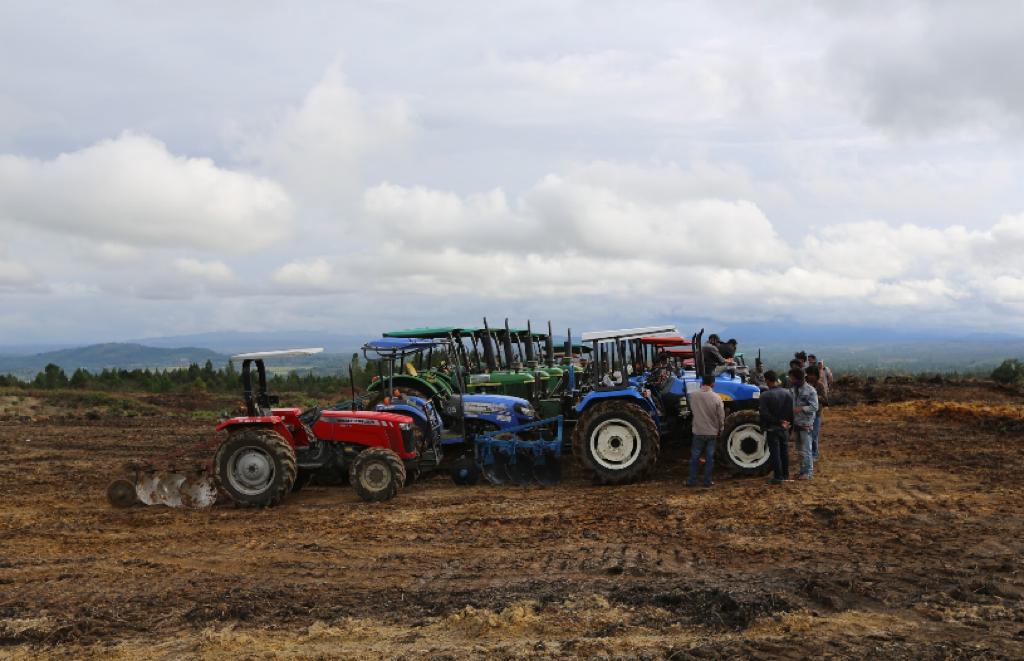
525, 454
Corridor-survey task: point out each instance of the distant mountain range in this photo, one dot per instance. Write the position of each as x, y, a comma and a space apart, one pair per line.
844, 348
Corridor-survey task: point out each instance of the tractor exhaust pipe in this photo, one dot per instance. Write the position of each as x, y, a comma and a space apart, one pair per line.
549, 347
531, 355
507, 346
492, 364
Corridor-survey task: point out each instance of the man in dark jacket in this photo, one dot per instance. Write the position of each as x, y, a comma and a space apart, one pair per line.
776, 406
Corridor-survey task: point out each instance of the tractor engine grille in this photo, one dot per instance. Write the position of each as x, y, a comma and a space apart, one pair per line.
409, 439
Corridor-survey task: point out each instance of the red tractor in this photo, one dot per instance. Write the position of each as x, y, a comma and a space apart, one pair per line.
269, 452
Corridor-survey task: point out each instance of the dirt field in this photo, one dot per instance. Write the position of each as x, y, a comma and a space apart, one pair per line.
908, 544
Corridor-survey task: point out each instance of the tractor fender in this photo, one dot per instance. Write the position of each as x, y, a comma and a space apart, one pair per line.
629, 394
274, 422
250, 421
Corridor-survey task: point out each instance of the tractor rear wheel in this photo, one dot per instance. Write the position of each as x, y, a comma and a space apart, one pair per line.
616, 442
377, 474
255, 467
743, 446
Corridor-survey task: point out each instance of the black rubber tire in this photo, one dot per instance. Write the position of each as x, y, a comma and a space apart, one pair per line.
366, 464
647, 455
464, 471
734, 422
276, 447
302, 479
412, 473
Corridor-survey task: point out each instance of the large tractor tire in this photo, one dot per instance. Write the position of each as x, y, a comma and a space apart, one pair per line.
743, 446
255, 467
377, 474
616, 442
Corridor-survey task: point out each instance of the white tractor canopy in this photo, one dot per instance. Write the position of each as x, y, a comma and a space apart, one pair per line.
284, 353
629, 333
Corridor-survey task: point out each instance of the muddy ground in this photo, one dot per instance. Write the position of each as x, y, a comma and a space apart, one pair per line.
908, 544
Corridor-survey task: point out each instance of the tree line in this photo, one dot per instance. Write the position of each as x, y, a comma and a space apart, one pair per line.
193, 379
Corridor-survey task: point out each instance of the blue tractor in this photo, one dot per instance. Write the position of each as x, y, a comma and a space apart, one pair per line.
481, 431
618, 424
743, 447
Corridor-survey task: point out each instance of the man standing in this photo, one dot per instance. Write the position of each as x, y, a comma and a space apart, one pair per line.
708, 421
713, 359
824, 371
814, 378
805, 406
776, 405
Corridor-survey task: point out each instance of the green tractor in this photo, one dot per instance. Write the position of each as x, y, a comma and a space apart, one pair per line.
494, 361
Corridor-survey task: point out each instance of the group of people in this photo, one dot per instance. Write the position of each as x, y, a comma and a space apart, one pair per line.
794, 408
790, 405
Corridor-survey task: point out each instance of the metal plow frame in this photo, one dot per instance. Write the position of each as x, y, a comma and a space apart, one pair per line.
505, 457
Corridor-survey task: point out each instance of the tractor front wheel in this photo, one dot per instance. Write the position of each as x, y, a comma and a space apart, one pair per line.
744, 447
255, 467
377, 474
616, 442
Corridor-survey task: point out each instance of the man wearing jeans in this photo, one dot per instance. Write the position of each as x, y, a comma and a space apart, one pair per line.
815, 380
708, 421
776, 408
805, 408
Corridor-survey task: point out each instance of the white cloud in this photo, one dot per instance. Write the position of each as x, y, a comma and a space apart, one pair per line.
317, 274
589, 211
213, 271
320, 147
133, 192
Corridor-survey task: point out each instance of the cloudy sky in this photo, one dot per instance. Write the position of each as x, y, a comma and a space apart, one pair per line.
172, 168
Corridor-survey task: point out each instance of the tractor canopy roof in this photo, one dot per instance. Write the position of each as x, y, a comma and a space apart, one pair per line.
577, 347
628, 333
430, 332
665, 340
285, 353
390, 345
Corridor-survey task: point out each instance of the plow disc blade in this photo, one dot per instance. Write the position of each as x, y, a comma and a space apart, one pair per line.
121, 493
176, 490
549, 472
495, 468
520, 468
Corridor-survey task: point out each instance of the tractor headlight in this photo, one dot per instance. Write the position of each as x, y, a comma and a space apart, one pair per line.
405, 426
525, 410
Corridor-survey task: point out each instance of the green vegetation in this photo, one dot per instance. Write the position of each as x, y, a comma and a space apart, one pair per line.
1010, 372
193, 380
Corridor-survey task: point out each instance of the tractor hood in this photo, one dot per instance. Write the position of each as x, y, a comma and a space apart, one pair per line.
367, 417
489, 405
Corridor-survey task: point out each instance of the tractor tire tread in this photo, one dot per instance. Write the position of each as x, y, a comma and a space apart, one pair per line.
392, 459
732, 421
634, 473
273, 443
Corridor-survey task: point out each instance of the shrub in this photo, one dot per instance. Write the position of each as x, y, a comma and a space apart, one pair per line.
1010, 372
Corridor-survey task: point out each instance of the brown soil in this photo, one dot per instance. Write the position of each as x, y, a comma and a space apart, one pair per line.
909, 543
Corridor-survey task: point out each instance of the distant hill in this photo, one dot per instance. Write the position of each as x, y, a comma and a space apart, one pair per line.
231, 342
130, 355
113, 355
